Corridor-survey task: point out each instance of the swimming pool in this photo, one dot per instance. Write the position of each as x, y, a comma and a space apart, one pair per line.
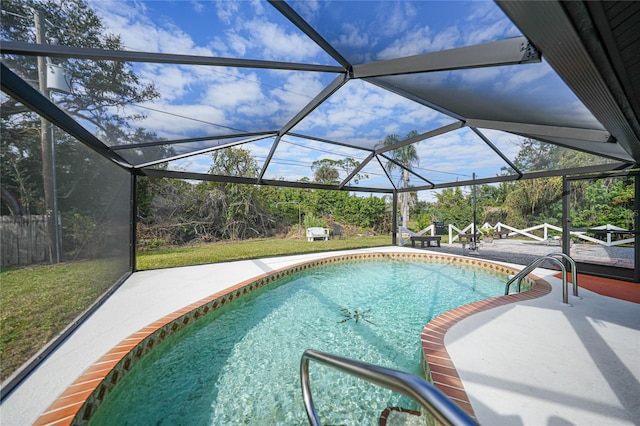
264, 333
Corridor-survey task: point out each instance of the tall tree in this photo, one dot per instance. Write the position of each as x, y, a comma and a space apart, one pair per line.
407, 157
101, 90
327, 170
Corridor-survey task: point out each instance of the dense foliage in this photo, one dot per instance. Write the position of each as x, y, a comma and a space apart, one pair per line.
179, 212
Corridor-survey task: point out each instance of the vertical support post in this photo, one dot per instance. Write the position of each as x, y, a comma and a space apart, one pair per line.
133, 223
566, 216
394, 220
47, 148
473, 227
636, 228
299, 222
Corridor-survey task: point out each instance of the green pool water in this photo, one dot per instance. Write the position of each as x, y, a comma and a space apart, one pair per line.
240, 365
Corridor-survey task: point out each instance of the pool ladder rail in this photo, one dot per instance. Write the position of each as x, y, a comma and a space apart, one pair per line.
554, 257
443, 409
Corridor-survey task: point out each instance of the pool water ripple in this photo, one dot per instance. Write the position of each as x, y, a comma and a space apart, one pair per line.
240, 365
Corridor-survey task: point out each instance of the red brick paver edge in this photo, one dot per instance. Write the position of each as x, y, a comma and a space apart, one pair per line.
437, 365
77, 404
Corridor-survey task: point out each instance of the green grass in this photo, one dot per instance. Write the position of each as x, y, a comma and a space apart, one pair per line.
250, 249
38, 302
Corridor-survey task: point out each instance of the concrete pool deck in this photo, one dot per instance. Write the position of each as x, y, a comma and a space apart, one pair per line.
593, 376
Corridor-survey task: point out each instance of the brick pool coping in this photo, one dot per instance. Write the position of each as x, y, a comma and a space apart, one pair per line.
438, 366
78, 403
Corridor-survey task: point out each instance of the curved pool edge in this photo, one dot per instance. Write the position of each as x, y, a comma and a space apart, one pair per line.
438, 366
78, 403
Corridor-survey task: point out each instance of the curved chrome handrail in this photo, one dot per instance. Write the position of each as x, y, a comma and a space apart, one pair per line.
437, 403
574, 271
533, 265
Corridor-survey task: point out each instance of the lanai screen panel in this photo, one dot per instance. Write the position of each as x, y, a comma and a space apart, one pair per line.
534, 155
251, 155
246, 30
366, 31
456, 156
362, 115
144, 156
94, 228
297, 159
525, 93
200, 101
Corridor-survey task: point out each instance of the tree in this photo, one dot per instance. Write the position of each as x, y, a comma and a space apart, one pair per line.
245, 210
327, 170
101, 89
407, 157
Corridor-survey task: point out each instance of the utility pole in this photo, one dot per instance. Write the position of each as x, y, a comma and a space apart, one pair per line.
474, 245
48, 151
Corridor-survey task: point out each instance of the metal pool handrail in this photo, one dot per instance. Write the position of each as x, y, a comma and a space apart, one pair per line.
437, 403
533, 265
574, 271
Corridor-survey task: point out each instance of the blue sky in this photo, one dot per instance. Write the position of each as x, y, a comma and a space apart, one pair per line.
199, 101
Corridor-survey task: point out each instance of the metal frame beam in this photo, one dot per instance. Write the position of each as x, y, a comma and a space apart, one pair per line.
412, 97
423, 136
496, 150
407, 169
20, 90
329, 90
56, 51
304, 26
172, 174
511, 51
386, 173
189, 140
327, 141
532, 175
355, 171
588, 135
612, 151
198, 152
272, 151
564, 39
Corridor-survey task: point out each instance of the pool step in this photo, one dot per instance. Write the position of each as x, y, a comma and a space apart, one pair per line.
398, 416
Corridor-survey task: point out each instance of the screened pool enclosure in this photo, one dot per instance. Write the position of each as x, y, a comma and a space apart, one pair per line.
154, 88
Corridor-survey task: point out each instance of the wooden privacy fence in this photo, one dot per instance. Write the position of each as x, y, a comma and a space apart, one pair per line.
23, 240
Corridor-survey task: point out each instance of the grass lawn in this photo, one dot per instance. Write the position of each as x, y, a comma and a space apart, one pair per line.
38, 302
250, 249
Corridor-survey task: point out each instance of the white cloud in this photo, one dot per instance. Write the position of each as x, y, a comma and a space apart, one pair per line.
397, 19
177, 121
139, 33
231, 94
521, 77
352, 36
226, 10
197, 6
421, 40
276, 43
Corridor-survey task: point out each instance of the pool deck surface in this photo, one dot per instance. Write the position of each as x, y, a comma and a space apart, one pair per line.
537, 362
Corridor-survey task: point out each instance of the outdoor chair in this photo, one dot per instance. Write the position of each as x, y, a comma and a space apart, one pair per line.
337, 230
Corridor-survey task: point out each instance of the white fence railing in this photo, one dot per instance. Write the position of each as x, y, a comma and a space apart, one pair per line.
552, 232
549, 233
404, 234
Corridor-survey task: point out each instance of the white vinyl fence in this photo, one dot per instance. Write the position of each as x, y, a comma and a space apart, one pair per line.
604, 234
